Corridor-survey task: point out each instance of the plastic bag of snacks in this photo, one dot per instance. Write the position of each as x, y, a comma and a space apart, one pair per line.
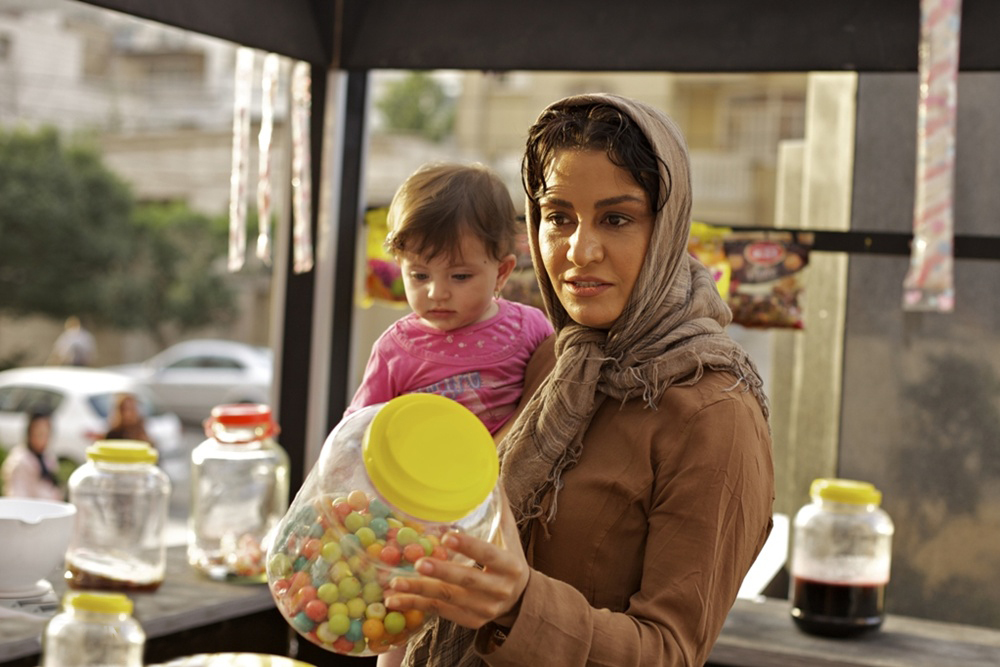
766, 280
391, 480
706, 243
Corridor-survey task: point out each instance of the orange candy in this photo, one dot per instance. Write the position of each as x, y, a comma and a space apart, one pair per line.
373, 629
414, 618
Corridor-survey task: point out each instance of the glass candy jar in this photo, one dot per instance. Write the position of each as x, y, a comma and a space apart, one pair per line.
239, 492
842, 551
390, 481
93, 630
122, 500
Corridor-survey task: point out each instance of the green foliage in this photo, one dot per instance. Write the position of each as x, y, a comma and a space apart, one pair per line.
174, 276
418, 103
75, 243
64, 221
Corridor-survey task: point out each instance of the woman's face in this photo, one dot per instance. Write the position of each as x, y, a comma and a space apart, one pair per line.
38, 434
594, 229
128, 410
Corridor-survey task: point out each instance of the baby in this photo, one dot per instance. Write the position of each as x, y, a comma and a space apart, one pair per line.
452, 230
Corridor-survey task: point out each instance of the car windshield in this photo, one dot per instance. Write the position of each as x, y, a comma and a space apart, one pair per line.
17, 398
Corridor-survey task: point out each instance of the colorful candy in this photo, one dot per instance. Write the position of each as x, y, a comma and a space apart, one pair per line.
329, 570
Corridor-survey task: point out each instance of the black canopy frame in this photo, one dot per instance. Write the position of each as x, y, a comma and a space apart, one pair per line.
356, 36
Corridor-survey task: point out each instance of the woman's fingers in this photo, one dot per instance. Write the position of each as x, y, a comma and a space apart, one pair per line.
470, 595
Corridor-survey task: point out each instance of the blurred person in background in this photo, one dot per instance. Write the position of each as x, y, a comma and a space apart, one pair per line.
125, 422
75, 346
29, 471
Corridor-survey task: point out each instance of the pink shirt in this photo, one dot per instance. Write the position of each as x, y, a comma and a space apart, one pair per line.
481, 366
22, 475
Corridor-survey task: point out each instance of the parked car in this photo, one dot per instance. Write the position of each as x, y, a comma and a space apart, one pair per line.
192, 377
79, 400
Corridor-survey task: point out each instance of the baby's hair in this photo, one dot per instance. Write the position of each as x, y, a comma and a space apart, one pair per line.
439, 203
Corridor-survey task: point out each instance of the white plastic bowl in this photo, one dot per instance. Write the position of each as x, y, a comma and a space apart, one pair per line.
34, 535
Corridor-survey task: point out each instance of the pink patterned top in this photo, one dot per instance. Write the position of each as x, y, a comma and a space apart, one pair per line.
481, 366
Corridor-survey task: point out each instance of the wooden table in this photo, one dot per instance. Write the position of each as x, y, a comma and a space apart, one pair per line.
192, 614
189, 612
762, 634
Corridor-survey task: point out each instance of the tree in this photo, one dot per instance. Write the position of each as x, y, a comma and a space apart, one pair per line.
74, 242
176, 277
64, 222
418, 103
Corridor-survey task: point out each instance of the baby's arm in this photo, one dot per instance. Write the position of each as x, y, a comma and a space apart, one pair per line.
393, 658
377, 384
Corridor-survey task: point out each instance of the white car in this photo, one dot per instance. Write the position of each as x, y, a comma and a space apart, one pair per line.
78, 400
192, 377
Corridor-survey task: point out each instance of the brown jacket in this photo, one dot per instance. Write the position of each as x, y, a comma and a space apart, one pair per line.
656, 527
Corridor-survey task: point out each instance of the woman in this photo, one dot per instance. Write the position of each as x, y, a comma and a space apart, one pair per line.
639, 471
125, 421
29, 471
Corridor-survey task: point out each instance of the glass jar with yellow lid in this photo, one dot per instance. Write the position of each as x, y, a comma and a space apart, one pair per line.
390, 481
93, 629
122, 501
841, 555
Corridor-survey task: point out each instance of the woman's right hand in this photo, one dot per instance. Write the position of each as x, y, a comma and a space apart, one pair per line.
466, 594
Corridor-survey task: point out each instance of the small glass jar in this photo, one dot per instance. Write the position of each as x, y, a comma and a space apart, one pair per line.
239, 492
841, 556
122, 500
93, 630
390, 481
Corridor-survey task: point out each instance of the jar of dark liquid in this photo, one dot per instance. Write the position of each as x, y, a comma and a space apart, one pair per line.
841, 554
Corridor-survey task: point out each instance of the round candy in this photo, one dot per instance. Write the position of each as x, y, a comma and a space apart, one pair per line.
413, 552
366, 536
354, 632
316, 610
331, 552
349, 587
394, 622
303, 623
371, 592
379, 525
406, 535
358, 500
373, 628
356, 607
353, 521
376, 610
339, 624
414, 618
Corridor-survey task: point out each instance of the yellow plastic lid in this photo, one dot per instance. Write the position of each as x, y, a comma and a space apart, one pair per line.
430, 456
845, 491
122, 451
102, 603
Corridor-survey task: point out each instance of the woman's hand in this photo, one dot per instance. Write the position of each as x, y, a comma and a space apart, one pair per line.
469, 595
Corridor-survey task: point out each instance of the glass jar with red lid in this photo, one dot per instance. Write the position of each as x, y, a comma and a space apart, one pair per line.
239, 492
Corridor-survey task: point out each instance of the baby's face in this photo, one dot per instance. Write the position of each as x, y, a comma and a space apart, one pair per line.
449, 293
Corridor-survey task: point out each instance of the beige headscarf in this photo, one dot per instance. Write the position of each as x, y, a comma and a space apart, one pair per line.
671, 330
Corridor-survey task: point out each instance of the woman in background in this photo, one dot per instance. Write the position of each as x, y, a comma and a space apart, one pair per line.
126, 422
29, 471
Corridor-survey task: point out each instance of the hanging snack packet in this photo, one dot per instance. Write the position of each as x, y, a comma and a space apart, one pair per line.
383, 279
706, 244
766, 283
